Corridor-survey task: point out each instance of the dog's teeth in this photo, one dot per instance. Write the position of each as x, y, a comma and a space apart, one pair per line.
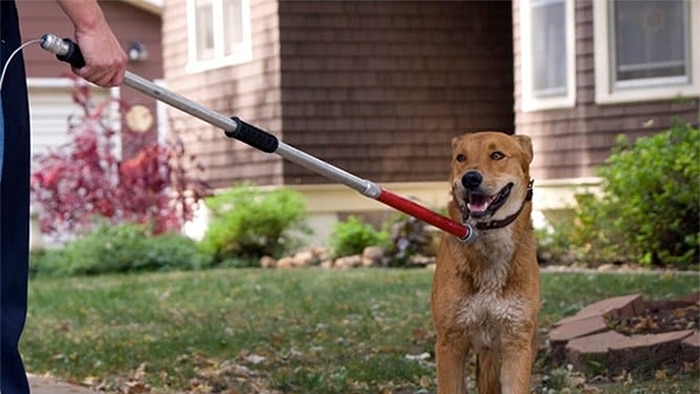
479, 203
477, 208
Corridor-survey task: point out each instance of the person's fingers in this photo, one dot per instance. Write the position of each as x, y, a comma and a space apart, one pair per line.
105, 59
117, 78
106, 77
93, 74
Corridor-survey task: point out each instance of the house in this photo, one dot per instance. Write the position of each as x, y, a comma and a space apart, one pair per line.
589, 70
137, 24
379, 88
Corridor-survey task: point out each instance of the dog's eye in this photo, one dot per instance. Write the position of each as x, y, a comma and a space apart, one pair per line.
461, 158
497, 155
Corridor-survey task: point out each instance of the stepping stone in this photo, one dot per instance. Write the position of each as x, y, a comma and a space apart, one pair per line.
690, 347
560, 335
620, 352
616, 307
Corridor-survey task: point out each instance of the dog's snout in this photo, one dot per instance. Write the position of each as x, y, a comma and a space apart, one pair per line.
471, 180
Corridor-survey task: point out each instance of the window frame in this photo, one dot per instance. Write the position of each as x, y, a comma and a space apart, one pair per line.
219, 59
528, 100
663, 88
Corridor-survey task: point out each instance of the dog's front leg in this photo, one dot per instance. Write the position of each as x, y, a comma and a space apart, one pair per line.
516, 369
450, 359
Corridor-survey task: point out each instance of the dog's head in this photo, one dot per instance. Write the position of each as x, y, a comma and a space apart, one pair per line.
490, 175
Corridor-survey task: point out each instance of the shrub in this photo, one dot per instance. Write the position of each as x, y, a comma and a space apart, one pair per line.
116, 249
554, 242
352, 236
83, 178
248, 224
408, 237
171, 252
650, 205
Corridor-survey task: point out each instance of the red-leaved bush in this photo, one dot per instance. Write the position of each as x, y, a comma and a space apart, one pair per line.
83, 180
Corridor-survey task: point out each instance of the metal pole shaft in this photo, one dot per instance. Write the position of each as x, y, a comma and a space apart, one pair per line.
214, 118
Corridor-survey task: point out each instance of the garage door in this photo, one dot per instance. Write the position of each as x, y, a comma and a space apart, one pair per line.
51, 105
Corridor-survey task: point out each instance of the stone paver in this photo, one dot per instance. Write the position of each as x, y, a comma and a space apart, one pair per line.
579, 328
623, 352
616, 307
690, 347
44, 385
585, 338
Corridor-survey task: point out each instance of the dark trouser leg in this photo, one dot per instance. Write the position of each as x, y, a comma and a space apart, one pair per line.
14, 208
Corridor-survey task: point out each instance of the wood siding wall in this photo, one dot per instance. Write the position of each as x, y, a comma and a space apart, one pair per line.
128, 23
250, 90
380, 88
570, 143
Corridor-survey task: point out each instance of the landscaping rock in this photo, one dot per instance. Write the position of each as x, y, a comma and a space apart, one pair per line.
616, 307
589, 340
616, 352
562, 334
285, 262
303, 259
268, 262
348, 262
372, 256
690, 348
419, 260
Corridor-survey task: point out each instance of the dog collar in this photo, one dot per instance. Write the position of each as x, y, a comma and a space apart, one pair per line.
510, 219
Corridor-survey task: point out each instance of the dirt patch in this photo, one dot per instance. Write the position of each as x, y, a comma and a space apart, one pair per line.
661, 316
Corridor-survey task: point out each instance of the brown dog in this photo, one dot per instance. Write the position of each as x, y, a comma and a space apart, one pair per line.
486, 291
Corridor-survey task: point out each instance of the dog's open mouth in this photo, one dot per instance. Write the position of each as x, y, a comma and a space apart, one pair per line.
480, 205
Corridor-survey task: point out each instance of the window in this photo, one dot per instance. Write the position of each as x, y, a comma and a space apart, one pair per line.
646, 50
219, 33
548, 74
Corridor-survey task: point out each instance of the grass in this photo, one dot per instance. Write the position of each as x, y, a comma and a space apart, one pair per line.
297, 331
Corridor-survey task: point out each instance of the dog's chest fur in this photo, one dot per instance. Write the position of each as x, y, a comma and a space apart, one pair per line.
487, 311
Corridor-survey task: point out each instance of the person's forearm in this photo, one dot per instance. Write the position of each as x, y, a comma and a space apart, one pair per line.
105, 59
84, 14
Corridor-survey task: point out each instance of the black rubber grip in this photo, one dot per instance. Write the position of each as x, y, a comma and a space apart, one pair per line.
74, 57
253, 136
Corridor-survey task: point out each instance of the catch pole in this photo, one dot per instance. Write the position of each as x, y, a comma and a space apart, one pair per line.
68, 51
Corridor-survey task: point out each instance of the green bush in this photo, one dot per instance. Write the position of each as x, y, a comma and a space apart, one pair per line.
248, 224
171, 252
352, 236
650, 206
115, 249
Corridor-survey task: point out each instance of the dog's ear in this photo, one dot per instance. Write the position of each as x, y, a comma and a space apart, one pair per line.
455, 141
526, 145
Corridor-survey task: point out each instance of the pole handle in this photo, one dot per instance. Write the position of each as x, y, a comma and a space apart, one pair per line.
253, 136
65, 49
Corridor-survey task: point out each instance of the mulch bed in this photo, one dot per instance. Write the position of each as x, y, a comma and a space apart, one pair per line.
660, 317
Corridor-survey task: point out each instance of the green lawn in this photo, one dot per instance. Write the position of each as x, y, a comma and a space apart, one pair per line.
296, 331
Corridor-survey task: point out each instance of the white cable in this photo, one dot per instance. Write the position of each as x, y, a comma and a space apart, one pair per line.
4, 69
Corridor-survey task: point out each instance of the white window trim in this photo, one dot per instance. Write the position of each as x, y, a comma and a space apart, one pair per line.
659, 89
194, 65
527, 101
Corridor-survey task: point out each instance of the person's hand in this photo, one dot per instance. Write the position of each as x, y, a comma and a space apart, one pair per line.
105, 60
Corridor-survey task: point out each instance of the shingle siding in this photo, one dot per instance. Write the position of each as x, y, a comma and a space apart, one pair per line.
380, 88
249, 90
571, 143
376, 88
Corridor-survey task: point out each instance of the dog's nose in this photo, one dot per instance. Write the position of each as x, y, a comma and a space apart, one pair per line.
471, 180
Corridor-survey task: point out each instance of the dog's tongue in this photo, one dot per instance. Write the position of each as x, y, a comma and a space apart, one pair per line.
479, 203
